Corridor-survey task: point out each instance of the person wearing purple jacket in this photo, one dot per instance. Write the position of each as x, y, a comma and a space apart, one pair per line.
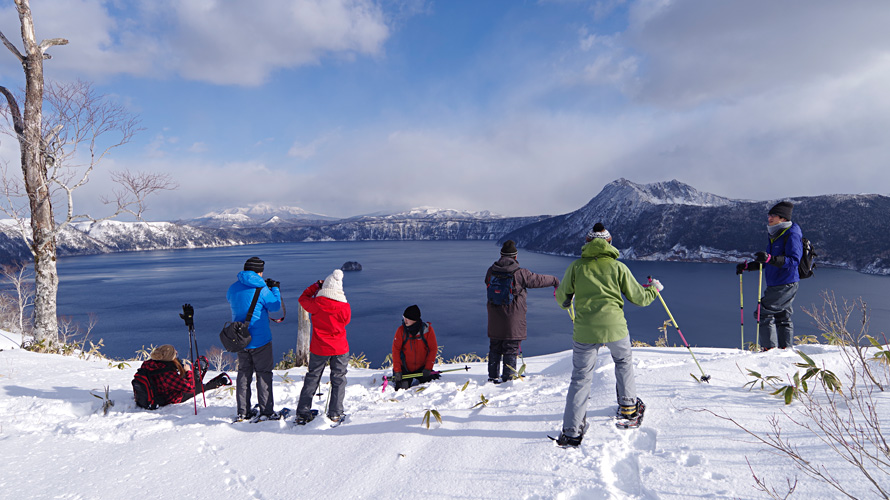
506, 323
779, 262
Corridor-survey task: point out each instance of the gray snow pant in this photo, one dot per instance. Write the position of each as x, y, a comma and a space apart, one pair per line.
261, 361
776, 328
574, 421
339, 365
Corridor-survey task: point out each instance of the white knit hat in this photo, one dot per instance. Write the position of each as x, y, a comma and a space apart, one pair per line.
599, 231
333, 287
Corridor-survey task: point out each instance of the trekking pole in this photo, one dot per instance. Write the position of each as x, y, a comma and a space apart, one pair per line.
759, 290
188, 315
436, 372
414, 375
704, 377
742, 309
197, 367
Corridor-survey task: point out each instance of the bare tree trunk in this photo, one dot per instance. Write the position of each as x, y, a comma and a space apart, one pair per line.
304, 333
43, 245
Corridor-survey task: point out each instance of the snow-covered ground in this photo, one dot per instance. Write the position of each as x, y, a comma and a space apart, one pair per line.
56, 443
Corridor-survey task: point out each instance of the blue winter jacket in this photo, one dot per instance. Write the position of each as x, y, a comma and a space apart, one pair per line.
787, 244
240, 295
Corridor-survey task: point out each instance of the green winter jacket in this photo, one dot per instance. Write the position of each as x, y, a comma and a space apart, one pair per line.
597, 281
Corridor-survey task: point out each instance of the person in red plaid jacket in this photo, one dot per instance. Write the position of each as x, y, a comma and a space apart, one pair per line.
175, 382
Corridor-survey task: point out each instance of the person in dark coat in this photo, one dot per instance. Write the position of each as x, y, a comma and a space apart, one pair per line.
779, 263
414, 350
174, 381
506, 323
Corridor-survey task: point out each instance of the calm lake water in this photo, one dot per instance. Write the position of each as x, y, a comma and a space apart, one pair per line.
137, 297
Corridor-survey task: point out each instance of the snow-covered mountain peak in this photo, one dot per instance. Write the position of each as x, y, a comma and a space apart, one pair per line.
671, 192
428, 212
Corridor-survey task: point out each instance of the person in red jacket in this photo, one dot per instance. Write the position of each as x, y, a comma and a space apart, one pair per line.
414, 350
176, 383
326, 302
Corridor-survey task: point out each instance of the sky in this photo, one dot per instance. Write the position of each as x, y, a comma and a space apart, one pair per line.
520, 107
56, 442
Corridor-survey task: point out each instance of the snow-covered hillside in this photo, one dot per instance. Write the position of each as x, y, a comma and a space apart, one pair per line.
55, 442
257, 214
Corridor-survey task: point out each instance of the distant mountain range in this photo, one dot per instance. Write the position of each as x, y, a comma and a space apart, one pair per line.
660, 221
673, 221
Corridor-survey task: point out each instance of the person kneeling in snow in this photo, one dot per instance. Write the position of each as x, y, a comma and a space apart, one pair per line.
168, 381
414, 350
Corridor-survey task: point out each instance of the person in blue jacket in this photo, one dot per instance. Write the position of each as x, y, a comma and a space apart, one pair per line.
779, 262
257, 355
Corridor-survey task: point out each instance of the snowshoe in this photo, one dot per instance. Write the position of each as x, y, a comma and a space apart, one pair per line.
571, 442
630, 417
275, 415
566, 441
336, 419
249, 416
305, 419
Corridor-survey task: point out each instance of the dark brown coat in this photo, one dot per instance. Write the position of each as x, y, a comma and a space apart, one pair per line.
508, 322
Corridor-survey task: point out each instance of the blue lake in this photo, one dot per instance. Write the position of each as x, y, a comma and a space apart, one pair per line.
137, 297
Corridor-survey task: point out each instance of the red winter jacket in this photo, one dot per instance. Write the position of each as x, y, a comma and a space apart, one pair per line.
329, 320
417, 357
171, 384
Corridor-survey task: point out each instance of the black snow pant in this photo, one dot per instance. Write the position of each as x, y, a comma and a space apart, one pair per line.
506, 350
217, 381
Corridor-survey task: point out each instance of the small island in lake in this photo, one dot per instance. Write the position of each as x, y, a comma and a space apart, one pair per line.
351, 266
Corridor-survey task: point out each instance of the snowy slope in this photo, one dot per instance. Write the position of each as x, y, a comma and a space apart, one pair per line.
55, 443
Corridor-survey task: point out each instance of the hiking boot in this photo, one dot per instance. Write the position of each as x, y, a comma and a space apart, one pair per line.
336, 418
494, 380
564, 440
630, 412
304, 419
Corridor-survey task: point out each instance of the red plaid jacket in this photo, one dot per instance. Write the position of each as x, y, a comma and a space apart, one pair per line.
170, 384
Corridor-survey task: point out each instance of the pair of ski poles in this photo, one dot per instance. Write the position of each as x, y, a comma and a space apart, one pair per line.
188, 315
414, 375
742, 305
704, 377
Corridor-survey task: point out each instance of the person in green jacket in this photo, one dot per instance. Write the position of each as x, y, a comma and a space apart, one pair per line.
597, 282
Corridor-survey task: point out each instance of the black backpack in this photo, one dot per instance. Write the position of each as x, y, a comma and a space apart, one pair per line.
807, 265
145, 388
500, 289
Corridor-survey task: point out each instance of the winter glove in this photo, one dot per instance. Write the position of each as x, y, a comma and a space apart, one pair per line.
658, 286
396, 377
320, 283
188, 314
740, 268
777, 260
431, 375
762, 257
203, 364
272, 283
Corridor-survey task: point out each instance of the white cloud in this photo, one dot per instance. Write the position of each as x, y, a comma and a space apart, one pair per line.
696, 52
239, 43
306, 151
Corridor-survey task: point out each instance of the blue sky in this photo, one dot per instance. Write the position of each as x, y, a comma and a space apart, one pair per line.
345, 107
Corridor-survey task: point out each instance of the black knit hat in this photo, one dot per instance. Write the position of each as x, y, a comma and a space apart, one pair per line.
254, 264
412, 313
782, 209
509, 249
